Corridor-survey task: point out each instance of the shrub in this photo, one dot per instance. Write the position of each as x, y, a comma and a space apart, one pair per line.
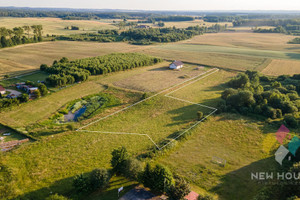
291, 121
132, 168
99, 178
119, 156
228, 92
179, 190
81, 183
200, 115
56, 197
206, 197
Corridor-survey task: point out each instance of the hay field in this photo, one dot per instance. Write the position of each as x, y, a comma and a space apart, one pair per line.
264, 41
31, 56
9, 67
201, 57
56, 26
282, 67
185, 24
156, 78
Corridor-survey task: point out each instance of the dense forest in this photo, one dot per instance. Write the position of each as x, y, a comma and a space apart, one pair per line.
65, 72
145, 36
274, 98
20, 35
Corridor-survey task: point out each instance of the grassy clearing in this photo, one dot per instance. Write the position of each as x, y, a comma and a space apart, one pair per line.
236, 139
49, 165
244, 143
159, 117
35, 77
56, 26
13, 134
206, 91
280, 67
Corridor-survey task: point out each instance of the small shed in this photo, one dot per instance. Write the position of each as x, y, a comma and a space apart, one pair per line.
2, 90
176, 64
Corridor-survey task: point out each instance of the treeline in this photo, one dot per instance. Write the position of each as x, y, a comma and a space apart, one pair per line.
221, 18
289, 26
144, 36
278, 29
294, 41
274, 98
64, 72
160, 34
20, 35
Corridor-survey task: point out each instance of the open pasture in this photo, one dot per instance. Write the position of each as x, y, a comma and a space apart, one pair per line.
56, 26
9, 67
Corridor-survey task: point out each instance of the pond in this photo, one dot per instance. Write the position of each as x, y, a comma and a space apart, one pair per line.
74, 116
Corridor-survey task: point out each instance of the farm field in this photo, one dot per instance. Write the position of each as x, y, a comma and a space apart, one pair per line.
261, 41
29, 57
56, 26
153, 78
279, 67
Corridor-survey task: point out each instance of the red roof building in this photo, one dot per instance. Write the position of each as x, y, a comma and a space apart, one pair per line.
2, 90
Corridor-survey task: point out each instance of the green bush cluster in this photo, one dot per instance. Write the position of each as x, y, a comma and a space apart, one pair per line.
271, 97
65, 72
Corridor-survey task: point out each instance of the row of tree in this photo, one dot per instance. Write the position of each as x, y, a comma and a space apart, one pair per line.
271, 97
65, 72
20, 35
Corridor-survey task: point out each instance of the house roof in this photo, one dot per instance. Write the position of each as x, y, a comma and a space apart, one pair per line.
192, 196
177, 63
2, 88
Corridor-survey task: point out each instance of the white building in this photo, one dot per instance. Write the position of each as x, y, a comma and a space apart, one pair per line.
176, 64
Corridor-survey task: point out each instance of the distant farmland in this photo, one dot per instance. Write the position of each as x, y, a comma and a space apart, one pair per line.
56, 26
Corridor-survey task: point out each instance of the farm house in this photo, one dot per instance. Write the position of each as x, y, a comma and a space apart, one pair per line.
176, 64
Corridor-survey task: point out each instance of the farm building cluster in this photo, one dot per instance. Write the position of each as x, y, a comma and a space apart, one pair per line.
11, 94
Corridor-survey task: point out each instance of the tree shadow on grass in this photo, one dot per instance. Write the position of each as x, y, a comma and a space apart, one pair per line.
65, 187
238, 183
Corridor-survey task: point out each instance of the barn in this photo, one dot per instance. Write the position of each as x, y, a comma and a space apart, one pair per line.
176, 64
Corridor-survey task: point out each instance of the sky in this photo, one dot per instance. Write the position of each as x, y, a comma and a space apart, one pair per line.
160, 4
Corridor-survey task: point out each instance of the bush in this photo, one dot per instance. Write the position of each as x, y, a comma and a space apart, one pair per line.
206, 197
56, 197
71, 127
81, 183
179, 190
200, 115
291, 121
132, 169
99, 178
119, 156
